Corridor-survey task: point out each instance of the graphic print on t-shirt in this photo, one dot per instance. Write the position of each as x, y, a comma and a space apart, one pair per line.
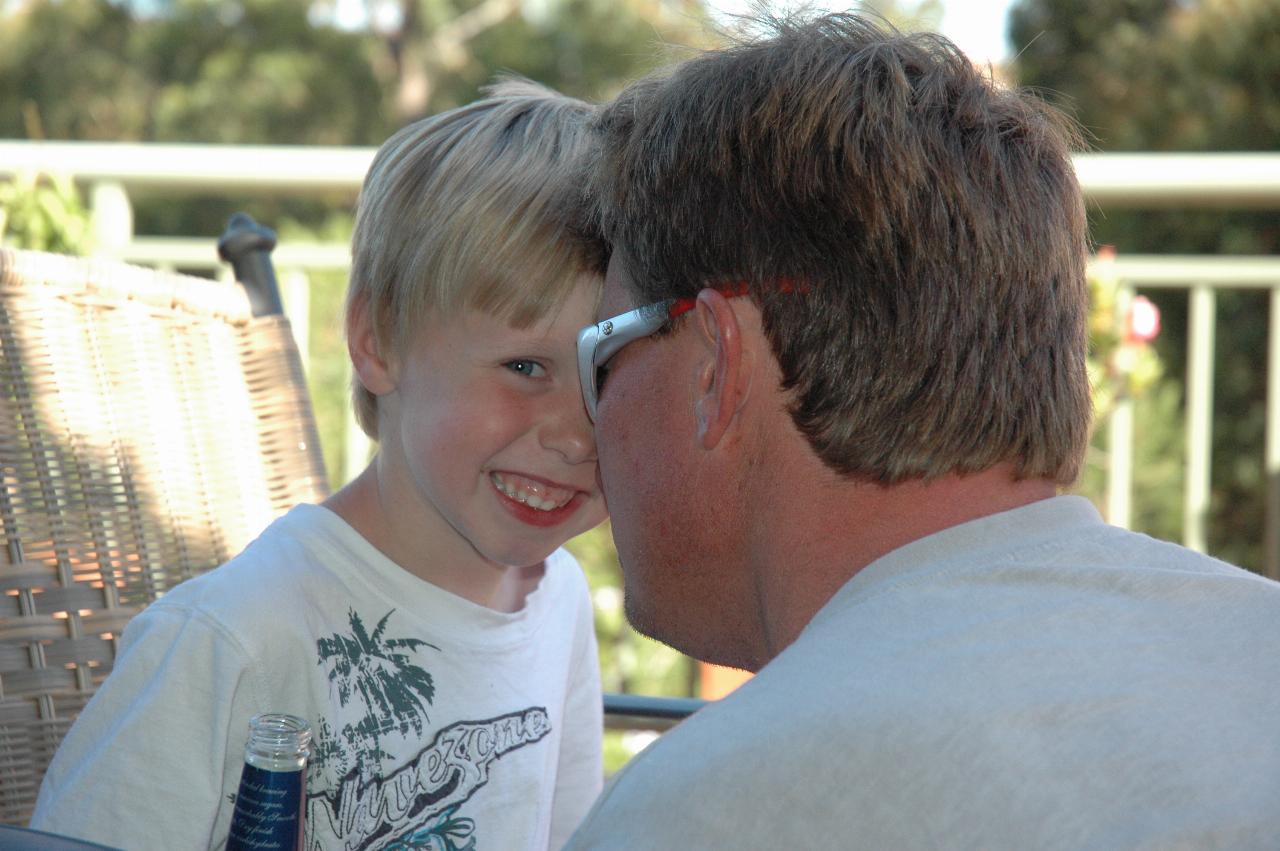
384, 697
394, 692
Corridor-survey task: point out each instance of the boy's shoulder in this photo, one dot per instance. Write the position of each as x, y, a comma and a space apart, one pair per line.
272, 567
310, 559
564, 576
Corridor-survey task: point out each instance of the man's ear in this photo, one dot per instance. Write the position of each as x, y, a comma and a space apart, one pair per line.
724, 376
371, 367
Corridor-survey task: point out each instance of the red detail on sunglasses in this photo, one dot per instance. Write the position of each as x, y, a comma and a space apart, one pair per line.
733, 290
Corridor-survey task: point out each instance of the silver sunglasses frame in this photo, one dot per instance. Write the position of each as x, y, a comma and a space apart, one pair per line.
600, 342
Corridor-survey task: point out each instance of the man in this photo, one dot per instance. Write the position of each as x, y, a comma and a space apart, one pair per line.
832, 436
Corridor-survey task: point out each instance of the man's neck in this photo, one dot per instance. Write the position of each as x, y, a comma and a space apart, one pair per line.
823, 529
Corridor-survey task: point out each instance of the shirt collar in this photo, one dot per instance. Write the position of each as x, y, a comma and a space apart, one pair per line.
964, 544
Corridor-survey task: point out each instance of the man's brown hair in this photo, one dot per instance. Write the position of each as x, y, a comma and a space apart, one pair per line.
927, 220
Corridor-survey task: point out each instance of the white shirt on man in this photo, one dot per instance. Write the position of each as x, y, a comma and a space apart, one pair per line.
1032, 679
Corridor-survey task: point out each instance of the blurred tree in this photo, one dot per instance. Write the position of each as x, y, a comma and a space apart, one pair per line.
293, 72
435, 53
1078, 47
1179, 75
1157, 75
185, 71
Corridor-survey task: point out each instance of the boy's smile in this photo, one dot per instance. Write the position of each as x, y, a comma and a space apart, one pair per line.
537, 503
486, 458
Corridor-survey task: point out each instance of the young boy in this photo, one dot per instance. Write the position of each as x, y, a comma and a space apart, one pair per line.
423, 619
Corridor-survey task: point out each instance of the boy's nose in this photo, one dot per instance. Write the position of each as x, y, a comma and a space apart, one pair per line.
567, 431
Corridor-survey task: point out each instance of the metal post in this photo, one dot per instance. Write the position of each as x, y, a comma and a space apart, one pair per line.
111, 217
1120, 438
1271, 524
1199, 416
247, 246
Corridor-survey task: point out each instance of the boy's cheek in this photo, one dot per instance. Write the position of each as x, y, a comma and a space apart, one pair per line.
596, 512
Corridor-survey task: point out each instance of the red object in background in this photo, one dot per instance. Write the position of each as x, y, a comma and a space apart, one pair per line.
1142, 325
716, 682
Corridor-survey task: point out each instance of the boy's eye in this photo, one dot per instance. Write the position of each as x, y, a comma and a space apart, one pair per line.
527, 368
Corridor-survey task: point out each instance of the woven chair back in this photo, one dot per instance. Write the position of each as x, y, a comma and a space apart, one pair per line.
150, 427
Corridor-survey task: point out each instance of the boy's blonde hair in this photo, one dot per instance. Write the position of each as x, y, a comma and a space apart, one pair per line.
471, 208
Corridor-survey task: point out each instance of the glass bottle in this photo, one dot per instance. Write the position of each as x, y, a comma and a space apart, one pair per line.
268, 813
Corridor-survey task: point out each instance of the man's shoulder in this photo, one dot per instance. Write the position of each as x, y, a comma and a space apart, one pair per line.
748, 735
561, 598
565, 573
890, 754
739, 770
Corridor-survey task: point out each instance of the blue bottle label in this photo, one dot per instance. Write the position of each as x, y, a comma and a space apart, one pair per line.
268, 814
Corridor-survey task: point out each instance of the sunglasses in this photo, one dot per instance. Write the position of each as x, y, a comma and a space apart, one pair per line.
598, 343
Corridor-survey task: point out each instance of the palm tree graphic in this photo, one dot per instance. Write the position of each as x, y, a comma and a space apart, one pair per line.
395, 692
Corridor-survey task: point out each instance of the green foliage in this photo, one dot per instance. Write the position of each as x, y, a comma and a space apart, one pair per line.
585, 48
67, 65
1084, 50
1158, 75
45, 213
1122, 368
254, 72
270, 71
439, 53
1158, 468
262, 74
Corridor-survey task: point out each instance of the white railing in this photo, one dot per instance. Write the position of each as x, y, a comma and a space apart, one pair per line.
113, 174
1111, 180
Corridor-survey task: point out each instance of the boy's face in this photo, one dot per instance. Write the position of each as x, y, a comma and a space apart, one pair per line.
485, 445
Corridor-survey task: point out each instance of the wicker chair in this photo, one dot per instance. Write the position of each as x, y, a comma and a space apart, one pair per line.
151, 424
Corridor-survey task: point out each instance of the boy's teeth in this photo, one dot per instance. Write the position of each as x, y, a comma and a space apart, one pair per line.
524, 491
